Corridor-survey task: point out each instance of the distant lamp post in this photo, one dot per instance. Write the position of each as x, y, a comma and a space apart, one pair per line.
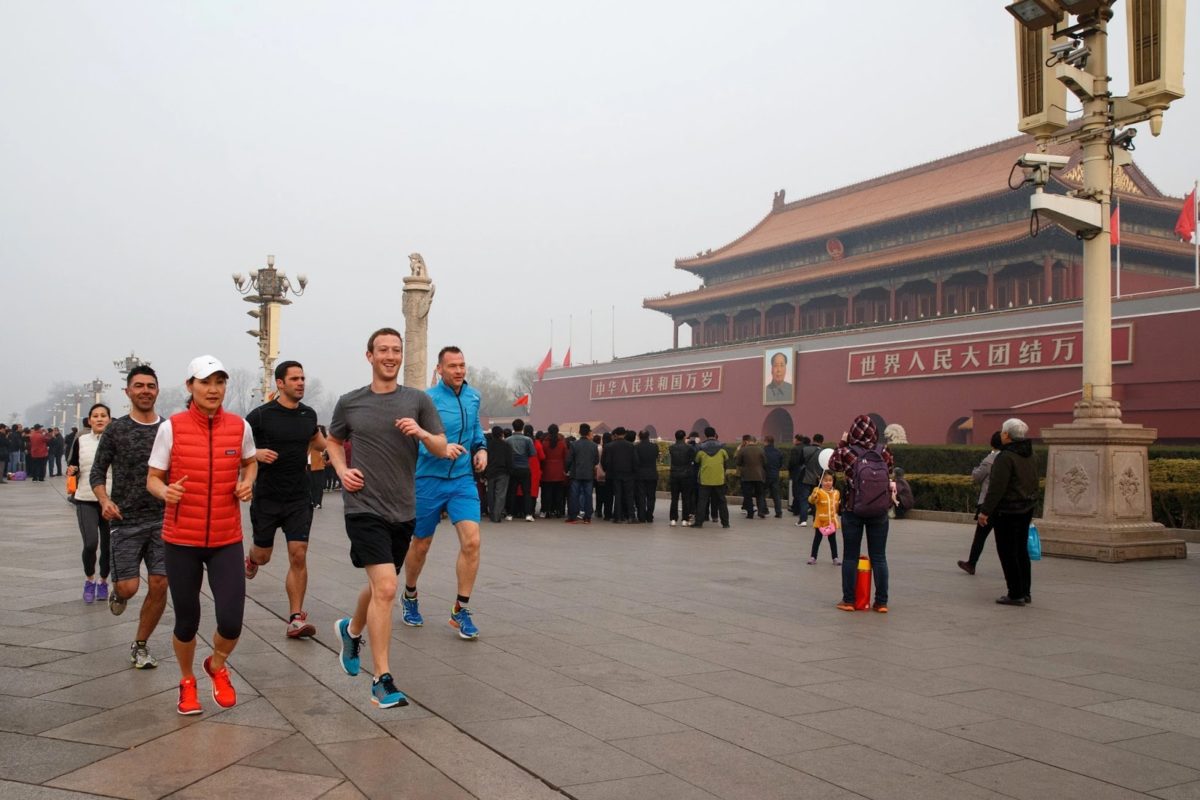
1097, 502
267, 288
125, 365
96, 388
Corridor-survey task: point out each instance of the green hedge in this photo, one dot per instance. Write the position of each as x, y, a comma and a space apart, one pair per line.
1174, 504
1174, 470
954, 459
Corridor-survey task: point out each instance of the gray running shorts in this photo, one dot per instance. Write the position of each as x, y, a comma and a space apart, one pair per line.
133, 543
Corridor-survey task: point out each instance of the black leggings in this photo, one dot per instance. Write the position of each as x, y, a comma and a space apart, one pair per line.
226, 582
94, 529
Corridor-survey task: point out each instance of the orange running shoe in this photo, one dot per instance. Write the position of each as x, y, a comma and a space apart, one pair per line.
222, 688
846, 606
189, 703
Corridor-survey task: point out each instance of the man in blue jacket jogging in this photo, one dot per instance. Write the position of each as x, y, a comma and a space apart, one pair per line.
447, 485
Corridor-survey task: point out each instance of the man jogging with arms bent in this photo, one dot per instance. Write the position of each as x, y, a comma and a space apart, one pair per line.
387, 422
284, 429
449, 486
135, 516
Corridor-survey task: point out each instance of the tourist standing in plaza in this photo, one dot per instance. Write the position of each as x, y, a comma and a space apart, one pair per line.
202, 464
826, 502
809, 475
1008, 506
582, 461
866, 464
316, 469
712, 458
446, 484
681, 456
773, 461
554, 473
520, 479
620, 465
285, 430
981, 475
387, 422
646, 490
93, 527
498, 466
135, 516
752, 469
56, 445
39, 453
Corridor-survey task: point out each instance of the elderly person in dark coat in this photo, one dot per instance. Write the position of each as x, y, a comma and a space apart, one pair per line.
1008, 506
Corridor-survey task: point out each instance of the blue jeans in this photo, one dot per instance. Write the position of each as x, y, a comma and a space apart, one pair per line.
803, 509
14, 461
581, 499
852, 534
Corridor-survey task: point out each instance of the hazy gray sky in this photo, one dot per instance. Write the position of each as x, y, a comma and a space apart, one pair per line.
547, 158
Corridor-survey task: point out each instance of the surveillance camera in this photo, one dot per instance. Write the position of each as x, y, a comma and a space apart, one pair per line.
1035, 160
1124, 140
1062, 48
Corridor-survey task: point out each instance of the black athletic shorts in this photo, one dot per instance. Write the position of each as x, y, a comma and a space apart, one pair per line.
295, 517
374, 540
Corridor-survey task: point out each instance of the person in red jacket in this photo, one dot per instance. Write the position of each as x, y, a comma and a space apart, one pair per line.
201, 465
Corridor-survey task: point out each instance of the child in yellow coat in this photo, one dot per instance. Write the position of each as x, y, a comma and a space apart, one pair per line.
825, 501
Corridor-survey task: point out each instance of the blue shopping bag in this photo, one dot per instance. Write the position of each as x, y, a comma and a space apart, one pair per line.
1035, 544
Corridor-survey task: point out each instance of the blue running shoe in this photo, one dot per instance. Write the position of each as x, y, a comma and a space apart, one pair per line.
412, 612
350, 646
461, 620
385, 694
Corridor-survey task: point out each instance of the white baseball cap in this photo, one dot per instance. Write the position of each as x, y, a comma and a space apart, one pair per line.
203, 366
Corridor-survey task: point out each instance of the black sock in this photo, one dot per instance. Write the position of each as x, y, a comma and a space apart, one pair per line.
294, 616
410, 591
462, 601
140, 642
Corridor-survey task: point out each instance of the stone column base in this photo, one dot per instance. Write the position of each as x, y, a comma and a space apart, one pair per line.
1097, 503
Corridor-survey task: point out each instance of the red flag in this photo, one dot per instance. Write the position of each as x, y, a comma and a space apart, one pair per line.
567, 360
523, 400
545, 365
1114, 225
1185, 226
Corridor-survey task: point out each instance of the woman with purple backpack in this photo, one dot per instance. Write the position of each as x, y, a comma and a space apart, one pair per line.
867, 465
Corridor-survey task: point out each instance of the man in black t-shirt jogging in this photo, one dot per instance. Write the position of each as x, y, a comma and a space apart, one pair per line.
283, 430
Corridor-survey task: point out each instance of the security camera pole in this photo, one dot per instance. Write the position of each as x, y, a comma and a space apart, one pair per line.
1097, 498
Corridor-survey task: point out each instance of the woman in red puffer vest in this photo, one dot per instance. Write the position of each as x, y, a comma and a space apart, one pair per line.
201, 465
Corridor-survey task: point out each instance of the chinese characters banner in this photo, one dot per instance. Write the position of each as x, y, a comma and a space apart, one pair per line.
685, 380
1033, 351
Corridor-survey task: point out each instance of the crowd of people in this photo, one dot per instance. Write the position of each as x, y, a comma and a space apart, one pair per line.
164, 495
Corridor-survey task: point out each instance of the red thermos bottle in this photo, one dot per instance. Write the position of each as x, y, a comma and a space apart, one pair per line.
862, 587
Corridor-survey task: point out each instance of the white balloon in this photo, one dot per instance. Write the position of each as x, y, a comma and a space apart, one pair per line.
824, 456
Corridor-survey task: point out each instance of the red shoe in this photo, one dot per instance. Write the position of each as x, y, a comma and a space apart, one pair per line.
189, 703
222, 689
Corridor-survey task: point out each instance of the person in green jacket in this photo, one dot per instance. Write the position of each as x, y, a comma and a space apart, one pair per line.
711, 457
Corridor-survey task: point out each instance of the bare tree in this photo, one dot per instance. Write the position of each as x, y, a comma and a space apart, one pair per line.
495, 395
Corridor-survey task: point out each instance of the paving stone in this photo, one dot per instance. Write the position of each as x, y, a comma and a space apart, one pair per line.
26, 682
600, 714
922, 682
1152, 715
659, 660
1173, 747
344, 791
321, 715
34, 759
760, 693
935, 750
257, 712
1031, 780
17, 656
293, 754
630, 683
118, 689
888, 700
269, 670
462, 699
659, 787
542, 650
405, 774
726, 770
478, 769
1100, 761
134, 723
1118, 685
24, 715
10, 790
1185, 791
1060, 692
877, 775
1079, 722
750, 728
557, 752
250, 783
99, 663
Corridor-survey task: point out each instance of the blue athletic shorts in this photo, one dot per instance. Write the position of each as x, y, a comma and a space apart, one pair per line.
456, 496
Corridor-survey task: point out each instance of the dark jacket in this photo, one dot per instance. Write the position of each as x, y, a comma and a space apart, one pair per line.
582, 460
1013, 486
752, 463
774, 462
810, 474
682, 458
620, 459
647, 460
499, 457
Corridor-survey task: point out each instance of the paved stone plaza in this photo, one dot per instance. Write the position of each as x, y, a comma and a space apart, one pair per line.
622, 662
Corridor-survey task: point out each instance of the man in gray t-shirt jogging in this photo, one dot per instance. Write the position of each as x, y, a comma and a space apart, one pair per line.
386, 422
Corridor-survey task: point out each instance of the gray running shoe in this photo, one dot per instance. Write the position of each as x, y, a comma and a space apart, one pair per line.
140, 657
116, 603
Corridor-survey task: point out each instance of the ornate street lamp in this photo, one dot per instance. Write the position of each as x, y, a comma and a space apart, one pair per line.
270, 288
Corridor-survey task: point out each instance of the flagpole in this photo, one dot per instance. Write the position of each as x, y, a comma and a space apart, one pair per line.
612, 332
1195, 231
591, 354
